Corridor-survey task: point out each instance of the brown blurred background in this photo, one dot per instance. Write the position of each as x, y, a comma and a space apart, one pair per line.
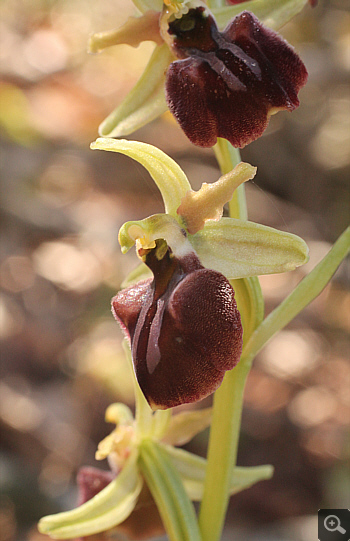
62, 206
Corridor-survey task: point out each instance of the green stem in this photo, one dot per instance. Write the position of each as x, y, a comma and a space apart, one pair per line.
222, 452
167, 489
228, 399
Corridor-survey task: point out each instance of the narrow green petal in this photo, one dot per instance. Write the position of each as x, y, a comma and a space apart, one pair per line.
169, 177
108, 508
305, 292
185, 425
145, 102
239, 249
192, 470
273, 13
145, 5
166, 487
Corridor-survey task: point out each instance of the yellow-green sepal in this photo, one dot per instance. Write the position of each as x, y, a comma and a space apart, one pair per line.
166, 173
239, 249
107, 509
145, 102
192, 472
185, 425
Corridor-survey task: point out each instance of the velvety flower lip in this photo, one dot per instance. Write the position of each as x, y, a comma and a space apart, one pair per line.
228, 84
184, 327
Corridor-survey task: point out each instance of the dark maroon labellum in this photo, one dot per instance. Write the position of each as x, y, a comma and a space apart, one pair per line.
227, 84
184, 327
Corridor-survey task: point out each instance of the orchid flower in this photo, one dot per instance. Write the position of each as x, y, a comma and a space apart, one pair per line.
137, 450
216, 83
183, 324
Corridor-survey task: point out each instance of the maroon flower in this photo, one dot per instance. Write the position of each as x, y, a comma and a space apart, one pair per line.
227, 84
184, 327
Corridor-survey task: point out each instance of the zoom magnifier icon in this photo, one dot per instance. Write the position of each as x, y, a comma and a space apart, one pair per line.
332, 524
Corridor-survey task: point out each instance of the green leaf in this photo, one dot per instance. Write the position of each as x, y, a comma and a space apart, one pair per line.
305, 292
108, 508
192, 470
185, 425
169, 177
165, 484
238, 248
273, 13
145, 102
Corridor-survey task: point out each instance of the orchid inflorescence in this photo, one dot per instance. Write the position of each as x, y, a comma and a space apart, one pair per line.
192, 312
